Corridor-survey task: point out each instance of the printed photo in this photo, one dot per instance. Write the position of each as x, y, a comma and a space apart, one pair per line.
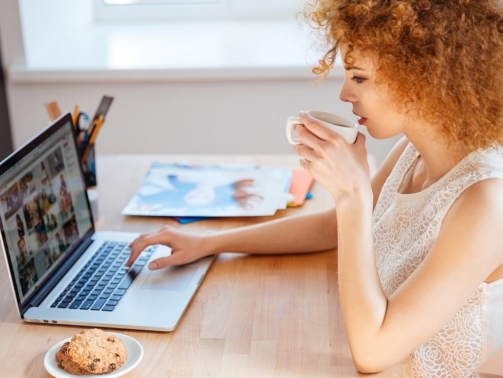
210, 191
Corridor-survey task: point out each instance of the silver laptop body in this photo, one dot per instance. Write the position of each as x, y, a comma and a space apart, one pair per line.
64, 272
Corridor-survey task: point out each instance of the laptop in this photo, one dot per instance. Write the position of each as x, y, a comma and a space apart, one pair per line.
61, 269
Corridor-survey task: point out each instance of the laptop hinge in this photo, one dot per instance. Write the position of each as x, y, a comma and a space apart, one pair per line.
65, 267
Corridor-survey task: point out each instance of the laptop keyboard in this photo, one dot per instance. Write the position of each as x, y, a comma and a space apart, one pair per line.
103, 281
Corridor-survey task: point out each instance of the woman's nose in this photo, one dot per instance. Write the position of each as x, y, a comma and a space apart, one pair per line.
344, 95
347, 95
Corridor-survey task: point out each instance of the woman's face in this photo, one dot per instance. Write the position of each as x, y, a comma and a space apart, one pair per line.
371, 102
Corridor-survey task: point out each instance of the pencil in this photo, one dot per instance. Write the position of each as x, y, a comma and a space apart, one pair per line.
75, 115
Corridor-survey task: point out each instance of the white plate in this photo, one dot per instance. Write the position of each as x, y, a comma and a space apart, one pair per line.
134, 350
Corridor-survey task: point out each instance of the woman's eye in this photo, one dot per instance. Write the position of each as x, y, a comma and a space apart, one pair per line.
358, 79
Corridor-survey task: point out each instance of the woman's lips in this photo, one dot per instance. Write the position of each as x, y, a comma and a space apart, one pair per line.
361, 120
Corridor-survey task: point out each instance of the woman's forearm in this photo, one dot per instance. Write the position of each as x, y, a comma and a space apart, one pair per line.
305, 233
363, 301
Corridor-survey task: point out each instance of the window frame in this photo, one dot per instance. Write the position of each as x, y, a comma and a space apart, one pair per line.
195, 10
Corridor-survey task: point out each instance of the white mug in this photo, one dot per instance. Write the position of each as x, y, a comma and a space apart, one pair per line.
343, 126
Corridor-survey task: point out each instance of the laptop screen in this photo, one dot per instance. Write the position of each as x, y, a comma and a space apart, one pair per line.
44, 211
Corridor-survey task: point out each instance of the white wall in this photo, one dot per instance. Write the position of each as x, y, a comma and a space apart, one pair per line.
245, 117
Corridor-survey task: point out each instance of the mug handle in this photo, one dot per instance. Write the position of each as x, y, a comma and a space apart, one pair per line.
290, 123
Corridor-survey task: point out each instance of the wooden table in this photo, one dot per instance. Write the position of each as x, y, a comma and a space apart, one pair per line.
253, 316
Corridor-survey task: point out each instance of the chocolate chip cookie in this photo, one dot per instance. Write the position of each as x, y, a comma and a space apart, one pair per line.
92, 352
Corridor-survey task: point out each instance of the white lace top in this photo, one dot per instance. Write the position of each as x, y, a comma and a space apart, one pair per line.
405, 226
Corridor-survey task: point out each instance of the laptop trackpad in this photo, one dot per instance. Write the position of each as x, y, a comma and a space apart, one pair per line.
174, 278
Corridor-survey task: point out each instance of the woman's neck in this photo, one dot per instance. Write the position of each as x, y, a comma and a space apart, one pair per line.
437, 156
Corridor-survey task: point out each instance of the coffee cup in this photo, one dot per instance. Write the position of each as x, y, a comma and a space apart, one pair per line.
343, 126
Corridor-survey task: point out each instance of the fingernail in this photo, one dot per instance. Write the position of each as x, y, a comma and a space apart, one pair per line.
152, 266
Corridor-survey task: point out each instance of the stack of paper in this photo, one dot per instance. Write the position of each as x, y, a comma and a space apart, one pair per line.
299, 187
189, 192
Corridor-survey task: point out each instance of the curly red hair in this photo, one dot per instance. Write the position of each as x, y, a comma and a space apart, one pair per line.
445, 57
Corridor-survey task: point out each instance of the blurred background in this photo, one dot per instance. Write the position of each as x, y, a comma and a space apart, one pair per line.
188, 76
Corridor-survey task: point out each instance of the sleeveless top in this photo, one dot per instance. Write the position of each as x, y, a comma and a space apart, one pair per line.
405, 226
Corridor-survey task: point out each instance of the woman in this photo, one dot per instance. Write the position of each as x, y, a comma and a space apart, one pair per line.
419, 245
20, 226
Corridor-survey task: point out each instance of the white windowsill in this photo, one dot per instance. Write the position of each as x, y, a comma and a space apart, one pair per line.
204, 50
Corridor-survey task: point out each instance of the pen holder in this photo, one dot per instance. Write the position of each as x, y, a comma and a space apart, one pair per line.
89, 166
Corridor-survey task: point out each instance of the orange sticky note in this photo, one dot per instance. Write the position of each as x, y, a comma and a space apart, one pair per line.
299, 186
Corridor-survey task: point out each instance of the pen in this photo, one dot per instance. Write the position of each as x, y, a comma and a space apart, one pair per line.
91, 138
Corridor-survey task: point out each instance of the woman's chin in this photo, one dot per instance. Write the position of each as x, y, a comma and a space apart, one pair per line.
380, 133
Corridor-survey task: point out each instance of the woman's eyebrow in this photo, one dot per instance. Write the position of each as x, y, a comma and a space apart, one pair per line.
349, 68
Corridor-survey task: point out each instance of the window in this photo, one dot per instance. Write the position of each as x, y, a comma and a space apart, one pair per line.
151, 10
157, 2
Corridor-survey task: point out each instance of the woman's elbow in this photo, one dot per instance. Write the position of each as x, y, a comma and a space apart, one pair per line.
364, 365
369, 362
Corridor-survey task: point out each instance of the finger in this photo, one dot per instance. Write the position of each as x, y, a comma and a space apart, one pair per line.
143, 241
304, 163
322, 132
305, 152
307, 137
174, 259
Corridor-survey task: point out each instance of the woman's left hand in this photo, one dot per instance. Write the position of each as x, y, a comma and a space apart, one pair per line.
341, 168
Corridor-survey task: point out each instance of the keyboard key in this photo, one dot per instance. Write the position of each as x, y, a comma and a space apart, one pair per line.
129, 278
108, 308
98, 304
112, 303
86, 305
120, 292
63, 305
75, 305
116, 297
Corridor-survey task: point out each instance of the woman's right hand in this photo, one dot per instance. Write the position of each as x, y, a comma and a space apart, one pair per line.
185, 247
